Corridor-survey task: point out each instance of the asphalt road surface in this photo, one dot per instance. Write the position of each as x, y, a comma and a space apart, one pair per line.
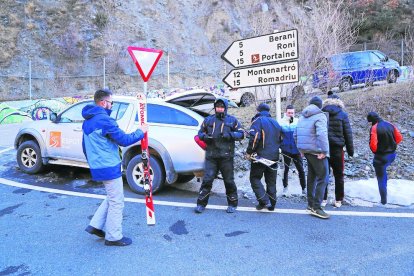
42, 221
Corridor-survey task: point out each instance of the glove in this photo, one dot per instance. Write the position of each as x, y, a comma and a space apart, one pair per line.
207, 139
226, 136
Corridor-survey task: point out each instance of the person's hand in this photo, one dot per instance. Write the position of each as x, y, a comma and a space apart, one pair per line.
226, 136
207, 139
247, 156
321, 155
144, 128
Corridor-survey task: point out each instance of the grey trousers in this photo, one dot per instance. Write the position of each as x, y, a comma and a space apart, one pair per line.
108, 217
317, 180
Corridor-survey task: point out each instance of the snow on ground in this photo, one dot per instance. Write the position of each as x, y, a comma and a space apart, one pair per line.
357, 193
400, 192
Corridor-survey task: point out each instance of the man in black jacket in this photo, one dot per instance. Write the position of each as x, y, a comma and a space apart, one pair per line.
265, 139
383, 140
339, 135
219, 131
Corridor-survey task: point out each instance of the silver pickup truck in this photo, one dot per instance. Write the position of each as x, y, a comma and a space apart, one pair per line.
175, 154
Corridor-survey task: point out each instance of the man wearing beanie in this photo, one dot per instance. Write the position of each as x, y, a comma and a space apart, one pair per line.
383, 140
311, 136
339, 135
219, 131
264, 140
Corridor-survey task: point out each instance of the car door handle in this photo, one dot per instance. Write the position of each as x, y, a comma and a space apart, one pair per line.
77, 129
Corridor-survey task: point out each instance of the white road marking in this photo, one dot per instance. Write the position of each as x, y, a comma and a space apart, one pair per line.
210, 206
5, 150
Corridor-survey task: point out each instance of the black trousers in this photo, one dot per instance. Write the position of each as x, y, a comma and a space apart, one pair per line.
336, 162
256, 173
297, 160
211, 168
317, 176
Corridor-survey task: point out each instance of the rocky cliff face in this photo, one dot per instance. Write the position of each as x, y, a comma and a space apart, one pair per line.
67, 41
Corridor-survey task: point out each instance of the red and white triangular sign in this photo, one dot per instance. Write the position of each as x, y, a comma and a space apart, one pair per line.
145, 59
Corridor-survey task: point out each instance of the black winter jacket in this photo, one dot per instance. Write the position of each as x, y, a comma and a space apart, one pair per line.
339, 130
265, 136
220, 132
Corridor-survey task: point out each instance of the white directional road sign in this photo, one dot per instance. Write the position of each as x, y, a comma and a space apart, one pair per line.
274, 47
263, 75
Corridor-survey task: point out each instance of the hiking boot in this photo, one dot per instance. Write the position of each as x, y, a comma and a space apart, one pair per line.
261, 206
199, 209
271, 207
324, 202
231, 209
338, 204
319, 213
122, 242
94, 231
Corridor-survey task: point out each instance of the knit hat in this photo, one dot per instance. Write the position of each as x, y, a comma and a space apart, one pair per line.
263, 107
316, 101
373, 117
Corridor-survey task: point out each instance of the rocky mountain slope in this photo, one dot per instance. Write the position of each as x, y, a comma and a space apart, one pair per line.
70, 43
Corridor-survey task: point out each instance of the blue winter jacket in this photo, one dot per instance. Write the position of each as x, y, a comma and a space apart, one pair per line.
288, 128
265, 136
101, 137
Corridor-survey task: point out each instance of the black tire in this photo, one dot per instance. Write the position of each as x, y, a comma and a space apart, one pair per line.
29, 157
182, 178
345, 85
392, 77
247, 99
134, 175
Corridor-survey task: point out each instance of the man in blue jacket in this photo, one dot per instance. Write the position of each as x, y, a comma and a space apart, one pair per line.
101, 140
290, 150
219, 131
264, 140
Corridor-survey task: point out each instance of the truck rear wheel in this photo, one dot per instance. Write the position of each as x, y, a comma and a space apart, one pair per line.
135, 175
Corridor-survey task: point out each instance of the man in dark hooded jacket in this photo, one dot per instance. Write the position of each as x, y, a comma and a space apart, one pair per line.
383, 140
265, 138
219, 131
339, 135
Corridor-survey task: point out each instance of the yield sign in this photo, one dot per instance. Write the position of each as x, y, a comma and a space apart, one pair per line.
145, 60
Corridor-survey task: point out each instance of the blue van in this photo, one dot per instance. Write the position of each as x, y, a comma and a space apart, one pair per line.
346, 69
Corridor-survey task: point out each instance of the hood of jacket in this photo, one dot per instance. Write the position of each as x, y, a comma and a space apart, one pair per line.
225, 103
311, 110
92, 110
333, 106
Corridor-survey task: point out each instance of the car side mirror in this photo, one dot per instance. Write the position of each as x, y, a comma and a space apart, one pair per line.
53, 117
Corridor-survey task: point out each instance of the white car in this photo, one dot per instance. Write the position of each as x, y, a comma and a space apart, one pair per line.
174, 153
248, 96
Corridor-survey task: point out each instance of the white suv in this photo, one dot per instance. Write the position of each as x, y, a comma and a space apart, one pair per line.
174, 152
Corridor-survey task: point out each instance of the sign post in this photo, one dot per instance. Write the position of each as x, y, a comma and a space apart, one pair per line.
145, 60
264, 60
